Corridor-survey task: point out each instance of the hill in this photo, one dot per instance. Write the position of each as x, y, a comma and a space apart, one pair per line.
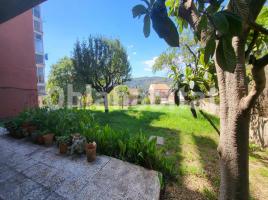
145, 82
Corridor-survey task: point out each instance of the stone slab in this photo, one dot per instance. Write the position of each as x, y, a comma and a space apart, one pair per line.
29, 171
159, 140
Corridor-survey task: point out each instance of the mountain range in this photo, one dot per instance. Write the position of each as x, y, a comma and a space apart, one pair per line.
145, 82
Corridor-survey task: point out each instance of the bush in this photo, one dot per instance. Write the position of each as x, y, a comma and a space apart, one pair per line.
146, 101
157, 100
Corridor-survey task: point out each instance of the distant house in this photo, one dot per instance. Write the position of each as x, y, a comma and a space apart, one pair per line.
133, 96
163, 91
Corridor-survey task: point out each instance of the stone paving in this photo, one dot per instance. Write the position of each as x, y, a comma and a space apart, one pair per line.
29, 171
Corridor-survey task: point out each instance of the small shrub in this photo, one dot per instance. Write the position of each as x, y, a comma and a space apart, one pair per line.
157, 100
65, 139
146, 101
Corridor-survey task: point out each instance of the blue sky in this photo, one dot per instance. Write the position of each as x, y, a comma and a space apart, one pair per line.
65, 21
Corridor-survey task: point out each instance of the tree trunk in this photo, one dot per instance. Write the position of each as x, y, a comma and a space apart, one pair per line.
122, 102
234, 137
105, 98
177, 97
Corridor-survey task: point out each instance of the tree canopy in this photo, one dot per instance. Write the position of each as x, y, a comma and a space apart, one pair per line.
60, 76
102, 63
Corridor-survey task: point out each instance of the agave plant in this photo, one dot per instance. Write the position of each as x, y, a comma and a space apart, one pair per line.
156, 11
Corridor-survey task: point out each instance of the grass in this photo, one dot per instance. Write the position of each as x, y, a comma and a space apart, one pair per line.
191, 144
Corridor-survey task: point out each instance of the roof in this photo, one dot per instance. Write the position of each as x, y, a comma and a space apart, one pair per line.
12, 8
159, 86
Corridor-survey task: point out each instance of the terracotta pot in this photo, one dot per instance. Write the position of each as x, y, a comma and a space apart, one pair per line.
63, 148
31, 129
17, 134
48, 139
91, 151
25, 125
40, 139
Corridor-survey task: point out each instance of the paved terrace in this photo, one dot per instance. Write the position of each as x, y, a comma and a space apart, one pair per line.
29, 171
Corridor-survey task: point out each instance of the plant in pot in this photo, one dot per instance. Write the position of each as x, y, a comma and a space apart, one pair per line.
78, 144
48, 138
37, 137
64, 142
91, 148
14, 130
29, 128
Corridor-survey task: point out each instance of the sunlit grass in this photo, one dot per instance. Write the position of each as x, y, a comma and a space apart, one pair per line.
190, 142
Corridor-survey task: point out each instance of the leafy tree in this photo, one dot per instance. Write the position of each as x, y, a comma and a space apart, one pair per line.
61, 75
122, 91
224, 34
102, 63
186, 67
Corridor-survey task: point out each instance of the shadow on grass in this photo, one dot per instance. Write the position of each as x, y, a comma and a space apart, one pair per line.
135, 121
262, 159
209, 160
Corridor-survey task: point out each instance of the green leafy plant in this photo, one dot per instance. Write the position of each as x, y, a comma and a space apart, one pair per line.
64, 123
157, 100
65, 139
146, 100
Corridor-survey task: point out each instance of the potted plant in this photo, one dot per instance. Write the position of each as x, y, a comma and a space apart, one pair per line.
91, 151
29, 127
64, 142
78, 144
37, 137
14, 130
48, 138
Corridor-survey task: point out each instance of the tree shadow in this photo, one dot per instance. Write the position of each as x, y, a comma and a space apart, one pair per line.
135, 121
260, 156
257, 128
207, 149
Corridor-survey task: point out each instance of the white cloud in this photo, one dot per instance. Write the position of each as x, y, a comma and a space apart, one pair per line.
149, 64
130, 46
134, 53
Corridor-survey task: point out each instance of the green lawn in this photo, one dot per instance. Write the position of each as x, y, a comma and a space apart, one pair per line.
190, 142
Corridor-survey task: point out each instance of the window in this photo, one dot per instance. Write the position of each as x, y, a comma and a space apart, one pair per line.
39, 59
41, 89
38, 36
38, 43
36, 12
37, 26
40, 75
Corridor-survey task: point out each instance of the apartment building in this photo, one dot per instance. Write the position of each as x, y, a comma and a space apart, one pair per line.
39, 51
22, 67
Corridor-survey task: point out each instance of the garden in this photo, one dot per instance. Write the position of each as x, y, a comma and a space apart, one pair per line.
188, 159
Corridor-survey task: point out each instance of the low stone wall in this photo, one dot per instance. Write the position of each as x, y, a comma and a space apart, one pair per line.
259, 118
258, 124
259, 131
209, 107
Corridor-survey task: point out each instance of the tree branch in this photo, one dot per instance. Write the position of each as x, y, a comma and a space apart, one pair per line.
190, 50
251, 45
261, 62
210, 121
188, 11
258, 28
259, 80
